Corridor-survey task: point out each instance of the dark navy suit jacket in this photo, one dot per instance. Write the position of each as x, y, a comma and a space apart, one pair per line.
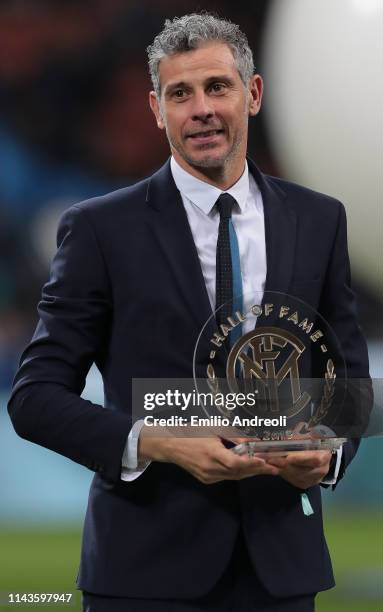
126, 292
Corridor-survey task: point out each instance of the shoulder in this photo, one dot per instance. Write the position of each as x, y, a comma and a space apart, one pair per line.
122, 208
115, 201
305, 201
104, 218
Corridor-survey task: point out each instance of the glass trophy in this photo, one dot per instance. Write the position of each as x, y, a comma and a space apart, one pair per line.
276, 371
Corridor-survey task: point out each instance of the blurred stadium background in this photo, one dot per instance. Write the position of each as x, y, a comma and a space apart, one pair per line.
74, 123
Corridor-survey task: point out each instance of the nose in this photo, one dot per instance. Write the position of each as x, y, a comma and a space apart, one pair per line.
202, 109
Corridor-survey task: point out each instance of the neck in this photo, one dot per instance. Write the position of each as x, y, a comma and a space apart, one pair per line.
222, 177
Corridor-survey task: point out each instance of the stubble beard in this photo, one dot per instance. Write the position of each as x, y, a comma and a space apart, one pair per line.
216, 165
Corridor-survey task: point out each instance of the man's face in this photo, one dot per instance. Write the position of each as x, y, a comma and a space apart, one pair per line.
205, 107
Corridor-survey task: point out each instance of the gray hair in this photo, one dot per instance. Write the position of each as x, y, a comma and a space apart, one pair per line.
189, 32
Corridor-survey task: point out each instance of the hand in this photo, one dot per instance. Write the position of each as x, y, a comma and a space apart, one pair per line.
206, 458
303, 469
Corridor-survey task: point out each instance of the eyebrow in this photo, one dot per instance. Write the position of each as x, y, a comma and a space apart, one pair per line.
213, 79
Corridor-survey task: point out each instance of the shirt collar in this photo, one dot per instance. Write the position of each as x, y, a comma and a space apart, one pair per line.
205, 195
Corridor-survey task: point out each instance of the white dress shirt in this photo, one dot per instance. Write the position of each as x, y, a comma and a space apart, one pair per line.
199, 198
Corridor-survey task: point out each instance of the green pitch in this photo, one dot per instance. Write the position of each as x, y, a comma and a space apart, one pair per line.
355, 541
43, 561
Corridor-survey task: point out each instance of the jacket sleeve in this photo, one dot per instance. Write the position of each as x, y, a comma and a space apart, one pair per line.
75, 314
338, 307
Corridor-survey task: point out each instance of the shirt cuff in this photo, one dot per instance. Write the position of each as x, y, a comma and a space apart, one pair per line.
331, 479
131, 468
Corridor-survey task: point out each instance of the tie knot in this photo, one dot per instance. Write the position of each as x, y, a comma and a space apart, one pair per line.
225, 205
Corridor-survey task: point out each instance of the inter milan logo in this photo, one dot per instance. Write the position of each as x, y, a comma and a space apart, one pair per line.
270, 356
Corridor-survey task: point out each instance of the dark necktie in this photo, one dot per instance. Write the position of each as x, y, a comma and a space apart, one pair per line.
228, 272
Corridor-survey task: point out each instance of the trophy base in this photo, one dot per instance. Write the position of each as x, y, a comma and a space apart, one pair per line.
283, 447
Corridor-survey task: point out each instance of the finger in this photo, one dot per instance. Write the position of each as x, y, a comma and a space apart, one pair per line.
271, 455
298, 463
280, 462
304, 477
238, 462
243, 465
234, 468
253, 463
305, 482
251, 470
308, 458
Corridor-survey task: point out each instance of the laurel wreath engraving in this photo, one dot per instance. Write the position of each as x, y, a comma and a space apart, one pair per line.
327, 397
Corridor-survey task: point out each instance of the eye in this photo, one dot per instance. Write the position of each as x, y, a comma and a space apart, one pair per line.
178, 93
218, 87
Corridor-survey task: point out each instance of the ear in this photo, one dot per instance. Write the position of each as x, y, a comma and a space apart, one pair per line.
155, 106
255, 94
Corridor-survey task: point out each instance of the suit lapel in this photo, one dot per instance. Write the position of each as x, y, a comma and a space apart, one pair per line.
280, 232
172, 230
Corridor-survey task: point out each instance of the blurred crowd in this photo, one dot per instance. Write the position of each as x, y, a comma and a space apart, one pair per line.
75, 123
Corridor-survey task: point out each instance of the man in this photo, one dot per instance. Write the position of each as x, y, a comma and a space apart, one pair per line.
174, 523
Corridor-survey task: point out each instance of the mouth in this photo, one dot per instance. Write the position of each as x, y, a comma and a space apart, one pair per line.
204, 135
